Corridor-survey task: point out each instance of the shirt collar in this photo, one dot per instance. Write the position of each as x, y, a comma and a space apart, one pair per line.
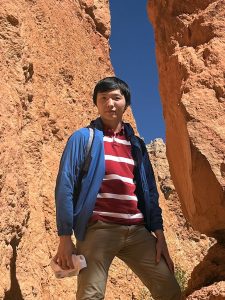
98, 124
110, 132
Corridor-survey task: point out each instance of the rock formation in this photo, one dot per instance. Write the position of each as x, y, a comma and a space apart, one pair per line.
51, 55
190, 55
213, 292
190, 45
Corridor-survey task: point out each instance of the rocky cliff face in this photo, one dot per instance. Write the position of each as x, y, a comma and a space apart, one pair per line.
52, 54
190, 44
190, 54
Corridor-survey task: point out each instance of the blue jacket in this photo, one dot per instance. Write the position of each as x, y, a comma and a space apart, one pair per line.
73, 210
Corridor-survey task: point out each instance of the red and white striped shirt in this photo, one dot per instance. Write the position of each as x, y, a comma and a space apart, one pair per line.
116, 201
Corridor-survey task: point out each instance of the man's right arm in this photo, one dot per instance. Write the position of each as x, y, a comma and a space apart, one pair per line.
64, 201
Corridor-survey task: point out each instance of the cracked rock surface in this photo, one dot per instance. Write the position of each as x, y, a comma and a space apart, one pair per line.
190, 46
51, 55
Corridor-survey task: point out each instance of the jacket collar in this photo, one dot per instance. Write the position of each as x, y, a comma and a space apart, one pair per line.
98, 124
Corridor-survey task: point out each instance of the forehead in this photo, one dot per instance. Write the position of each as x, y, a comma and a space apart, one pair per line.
110, 93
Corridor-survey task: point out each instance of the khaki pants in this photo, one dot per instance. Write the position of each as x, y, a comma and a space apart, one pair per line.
132, 244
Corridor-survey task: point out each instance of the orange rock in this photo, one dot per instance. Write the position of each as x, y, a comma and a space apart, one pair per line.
52, 55
190, 54
215, 291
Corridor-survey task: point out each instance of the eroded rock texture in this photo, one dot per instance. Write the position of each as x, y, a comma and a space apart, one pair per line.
209, 272
183, 241
214, 292
190, 46
51, 55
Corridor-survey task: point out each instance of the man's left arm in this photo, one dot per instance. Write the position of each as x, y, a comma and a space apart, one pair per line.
156, 214
162, 249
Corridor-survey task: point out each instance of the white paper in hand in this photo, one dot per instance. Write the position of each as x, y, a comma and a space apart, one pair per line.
79, 263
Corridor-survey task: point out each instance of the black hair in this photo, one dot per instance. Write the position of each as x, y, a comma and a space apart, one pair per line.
110, 84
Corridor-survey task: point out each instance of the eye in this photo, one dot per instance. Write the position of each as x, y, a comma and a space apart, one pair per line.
117, 98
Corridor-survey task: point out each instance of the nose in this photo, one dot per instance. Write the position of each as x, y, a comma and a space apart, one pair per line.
110, 102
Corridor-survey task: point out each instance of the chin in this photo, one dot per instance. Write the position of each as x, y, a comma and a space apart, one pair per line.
109, 117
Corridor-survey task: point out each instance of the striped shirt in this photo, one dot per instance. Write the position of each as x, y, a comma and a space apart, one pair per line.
116, 201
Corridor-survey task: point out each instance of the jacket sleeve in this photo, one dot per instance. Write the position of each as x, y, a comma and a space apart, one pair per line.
156, 221
65, 183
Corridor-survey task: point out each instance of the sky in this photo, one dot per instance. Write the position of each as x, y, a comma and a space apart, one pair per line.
133, 59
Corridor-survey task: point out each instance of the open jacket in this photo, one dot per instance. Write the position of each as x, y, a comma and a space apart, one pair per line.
73, 210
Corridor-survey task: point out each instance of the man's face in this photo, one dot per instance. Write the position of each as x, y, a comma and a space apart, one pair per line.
111, 105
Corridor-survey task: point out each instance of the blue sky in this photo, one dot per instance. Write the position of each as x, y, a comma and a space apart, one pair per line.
133, 60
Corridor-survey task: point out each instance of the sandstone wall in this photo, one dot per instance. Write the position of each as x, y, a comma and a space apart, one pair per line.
51, 55
190, 46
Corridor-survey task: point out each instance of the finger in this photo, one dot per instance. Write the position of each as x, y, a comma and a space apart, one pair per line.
64, 264
171, 267
169, 263
158, 254
55, 258
70, 262
59, 262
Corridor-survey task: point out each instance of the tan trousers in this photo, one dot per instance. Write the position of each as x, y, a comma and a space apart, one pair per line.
132, 244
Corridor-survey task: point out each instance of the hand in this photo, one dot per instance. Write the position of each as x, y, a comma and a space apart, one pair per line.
161, 249
64, 254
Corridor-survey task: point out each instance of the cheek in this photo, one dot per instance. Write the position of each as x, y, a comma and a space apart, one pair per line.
122, 107
99, 110
99, 106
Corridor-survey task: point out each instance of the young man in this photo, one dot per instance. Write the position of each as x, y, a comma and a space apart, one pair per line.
116, 209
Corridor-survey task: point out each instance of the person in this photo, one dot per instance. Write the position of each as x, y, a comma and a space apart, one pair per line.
116, 211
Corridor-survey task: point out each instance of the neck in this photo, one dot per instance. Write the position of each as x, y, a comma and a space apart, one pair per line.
114, 125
